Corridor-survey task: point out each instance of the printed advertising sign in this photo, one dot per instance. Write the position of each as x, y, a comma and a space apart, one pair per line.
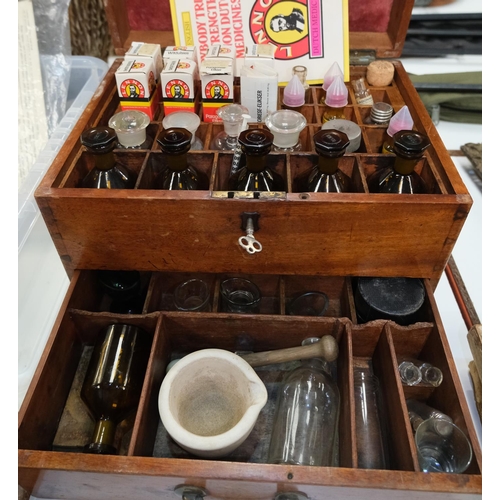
312, 33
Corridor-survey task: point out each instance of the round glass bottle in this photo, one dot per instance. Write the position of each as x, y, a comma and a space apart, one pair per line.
130, 127
107, 172
326, 177
305, 429
179, 175
255, 174
401, 177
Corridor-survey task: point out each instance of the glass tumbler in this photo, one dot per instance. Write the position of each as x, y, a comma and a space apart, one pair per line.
309, 304
192, 296
240, 295
370, 438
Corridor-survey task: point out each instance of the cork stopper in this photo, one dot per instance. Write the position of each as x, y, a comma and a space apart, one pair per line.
380, 73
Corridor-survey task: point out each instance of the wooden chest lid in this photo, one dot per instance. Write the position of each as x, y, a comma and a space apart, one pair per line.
378, 26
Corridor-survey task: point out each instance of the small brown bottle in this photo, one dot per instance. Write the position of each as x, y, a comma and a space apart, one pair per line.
107, 172
326, 177
255, 174
175, 142
401, 178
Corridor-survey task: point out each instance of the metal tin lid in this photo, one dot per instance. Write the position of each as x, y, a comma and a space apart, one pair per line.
175, 140
99, 140
381, 112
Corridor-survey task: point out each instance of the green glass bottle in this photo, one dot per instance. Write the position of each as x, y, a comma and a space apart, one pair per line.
113, 382
107, 172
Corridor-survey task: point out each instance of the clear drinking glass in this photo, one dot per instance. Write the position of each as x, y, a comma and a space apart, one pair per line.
309, 304
240, 295
192, 295
305, 429
370, 436
442, 447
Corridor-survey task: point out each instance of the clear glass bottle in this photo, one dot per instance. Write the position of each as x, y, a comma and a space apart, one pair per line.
286, 126
419, 411
255, 174
371, 439
234, 117
409, 373
188, 120
113, 382
380, 114
401, 120
336, 100
401, 178
107, 173
429, 374
305, 429
131, 127
301, 72
124, 289
326, 177
179, 175
362, 94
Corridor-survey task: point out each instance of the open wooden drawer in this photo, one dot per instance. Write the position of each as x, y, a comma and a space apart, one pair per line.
150, 466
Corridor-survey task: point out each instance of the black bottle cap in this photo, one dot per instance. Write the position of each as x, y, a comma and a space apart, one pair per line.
256, 142
396, 299
175, 140
332, 143
99, 140
410, 144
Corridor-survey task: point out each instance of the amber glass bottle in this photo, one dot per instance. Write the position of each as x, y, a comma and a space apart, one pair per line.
256, 175
113, 382
107, 172
179, 175
326, 177
401, 178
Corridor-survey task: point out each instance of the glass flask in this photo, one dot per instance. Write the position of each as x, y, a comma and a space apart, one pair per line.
294, 94
124, 289
130, 127
305, 428
234, 117
107, 172
188, 120
362, 94
402, 120
336, 100
179, 175
380, 114
113, 382
326, 177
401, 177
255, 174
368, 408
286, 126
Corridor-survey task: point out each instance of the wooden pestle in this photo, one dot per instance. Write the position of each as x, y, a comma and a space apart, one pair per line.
326, 348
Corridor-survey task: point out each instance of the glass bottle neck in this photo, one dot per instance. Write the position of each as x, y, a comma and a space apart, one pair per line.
328, 165
316, 363
104, 432
105, 161
405, 166
178, 163
232, 141
256, 163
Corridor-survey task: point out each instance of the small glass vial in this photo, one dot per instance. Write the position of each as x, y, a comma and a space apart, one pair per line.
428, 374
301, 72
294, 94
409, 373
234, 117
130, 127
305, 429
326, 177
335, 100
286, 126
362, 94
401, 178
179, 175
402, 120
255, 175
188, 120
380, 114
107, 173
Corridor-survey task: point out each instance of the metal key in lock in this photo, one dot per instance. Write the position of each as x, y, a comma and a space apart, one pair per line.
249, 242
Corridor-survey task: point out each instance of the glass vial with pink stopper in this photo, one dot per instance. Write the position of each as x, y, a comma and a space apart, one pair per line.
294, 94
332, 72
335, 100
402, 120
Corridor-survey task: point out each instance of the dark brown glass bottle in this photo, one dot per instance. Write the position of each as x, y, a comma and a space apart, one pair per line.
113, 382
255, 175
107, 173
326, 177
401, 178
124, 289
175, 142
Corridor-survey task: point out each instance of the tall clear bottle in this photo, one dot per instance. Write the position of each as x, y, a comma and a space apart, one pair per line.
326, 177
305, 429
401, 178
179, 175
255, 174
107, 172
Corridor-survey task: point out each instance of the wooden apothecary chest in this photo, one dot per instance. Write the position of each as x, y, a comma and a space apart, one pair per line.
314, 241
